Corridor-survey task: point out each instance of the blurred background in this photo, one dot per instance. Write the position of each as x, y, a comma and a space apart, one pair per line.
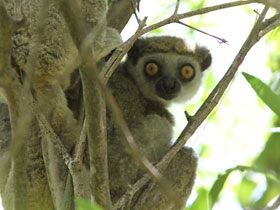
242, 130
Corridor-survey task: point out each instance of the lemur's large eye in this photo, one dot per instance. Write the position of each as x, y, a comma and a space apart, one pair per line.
151, 69
187, 72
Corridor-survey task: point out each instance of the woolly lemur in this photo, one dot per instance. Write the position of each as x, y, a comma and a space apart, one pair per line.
158, 71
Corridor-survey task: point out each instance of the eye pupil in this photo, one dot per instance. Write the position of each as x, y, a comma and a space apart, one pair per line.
187, 72
152, 69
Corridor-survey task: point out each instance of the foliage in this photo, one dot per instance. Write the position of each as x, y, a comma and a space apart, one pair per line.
85, 205
264, 92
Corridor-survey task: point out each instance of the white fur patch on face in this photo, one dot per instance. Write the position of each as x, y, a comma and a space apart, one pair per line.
170, 65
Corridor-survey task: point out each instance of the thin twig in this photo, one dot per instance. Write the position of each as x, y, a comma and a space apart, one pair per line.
134, 11
177, 7
220, 40
270, 27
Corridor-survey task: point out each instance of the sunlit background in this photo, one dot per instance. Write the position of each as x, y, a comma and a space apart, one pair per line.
237, 130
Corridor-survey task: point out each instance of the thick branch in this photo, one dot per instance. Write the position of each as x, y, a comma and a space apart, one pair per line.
96, 117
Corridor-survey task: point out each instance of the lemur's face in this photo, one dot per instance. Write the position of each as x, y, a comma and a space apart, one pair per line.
167, 77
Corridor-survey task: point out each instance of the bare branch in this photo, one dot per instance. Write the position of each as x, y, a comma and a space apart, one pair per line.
177, 7
269, 25
176, 17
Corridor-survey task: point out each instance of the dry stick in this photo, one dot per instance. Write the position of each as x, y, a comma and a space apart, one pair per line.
203, 111
176, 7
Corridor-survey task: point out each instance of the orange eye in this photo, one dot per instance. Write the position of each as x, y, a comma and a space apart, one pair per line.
152, 69
187, 72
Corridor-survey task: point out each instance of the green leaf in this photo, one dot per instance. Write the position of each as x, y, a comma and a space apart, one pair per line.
86, 205
201, 202
217, 188
271, 192
264, 92
219, 183
246, 188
